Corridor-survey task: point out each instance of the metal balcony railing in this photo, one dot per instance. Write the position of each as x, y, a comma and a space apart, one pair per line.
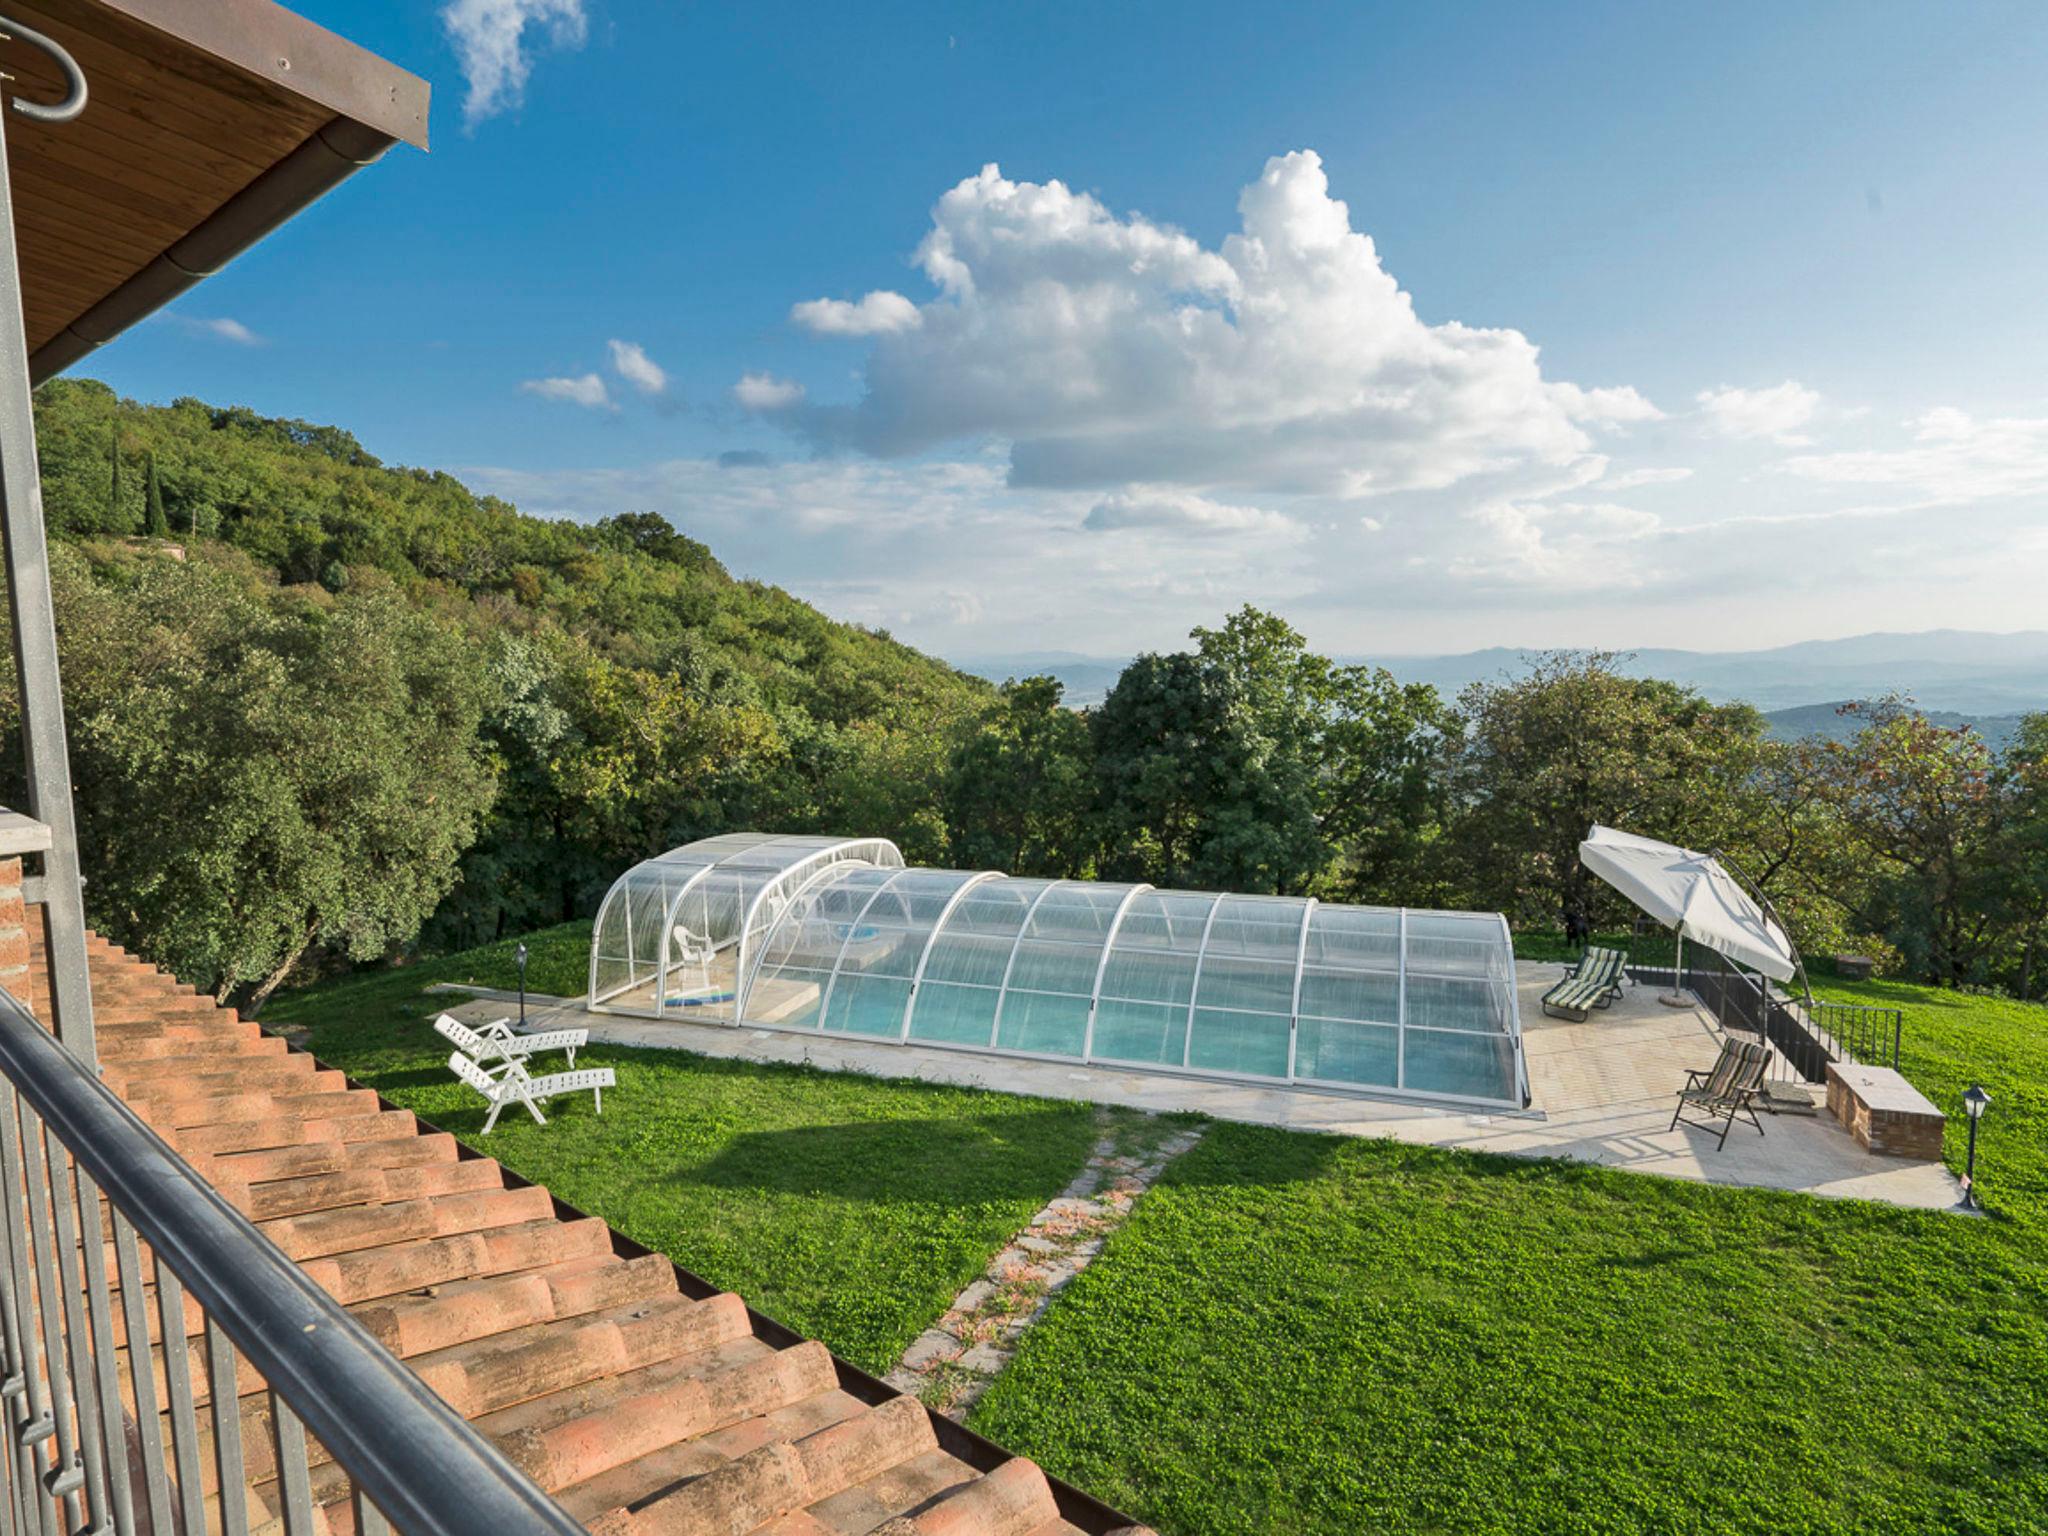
1806, 1037
88, 1445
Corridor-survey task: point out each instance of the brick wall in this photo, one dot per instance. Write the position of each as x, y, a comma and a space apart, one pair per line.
14, 945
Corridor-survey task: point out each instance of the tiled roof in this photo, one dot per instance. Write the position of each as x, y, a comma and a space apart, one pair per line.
644, 1410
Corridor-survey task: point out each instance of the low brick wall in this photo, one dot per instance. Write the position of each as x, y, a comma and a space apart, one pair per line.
1884, 1112
14, 947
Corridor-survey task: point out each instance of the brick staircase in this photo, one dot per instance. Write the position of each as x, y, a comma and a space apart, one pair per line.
644, 1410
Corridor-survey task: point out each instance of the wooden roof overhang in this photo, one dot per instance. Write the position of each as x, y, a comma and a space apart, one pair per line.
207, 124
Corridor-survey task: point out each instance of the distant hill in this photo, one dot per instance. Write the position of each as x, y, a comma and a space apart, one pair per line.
1827, 720
1945, 670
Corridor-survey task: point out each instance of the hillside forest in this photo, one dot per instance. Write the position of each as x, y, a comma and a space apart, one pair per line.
328, 712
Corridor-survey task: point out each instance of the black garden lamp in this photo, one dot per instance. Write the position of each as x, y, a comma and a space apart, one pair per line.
1975, 1102
519, 959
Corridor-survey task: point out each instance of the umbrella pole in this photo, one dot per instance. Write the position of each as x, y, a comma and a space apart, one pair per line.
1676, 997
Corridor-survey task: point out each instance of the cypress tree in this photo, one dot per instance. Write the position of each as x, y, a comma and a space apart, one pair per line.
116, 523
158, 526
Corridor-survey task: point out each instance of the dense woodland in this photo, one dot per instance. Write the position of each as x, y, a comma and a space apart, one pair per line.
326, 711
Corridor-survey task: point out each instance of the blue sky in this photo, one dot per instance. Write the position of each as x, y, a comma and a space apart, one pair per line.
1715, 326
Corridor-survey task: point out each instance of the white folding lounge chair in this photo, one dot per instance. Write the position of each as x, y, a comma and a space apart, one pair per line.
516, 1087
497, 1042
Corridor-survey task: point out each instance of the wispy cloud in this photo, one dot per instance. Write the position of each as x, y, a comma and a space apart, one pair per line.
220, 328
1953, 457
490, 41
1777, 412
631, 363
1630, 479
584, 389
1158, 509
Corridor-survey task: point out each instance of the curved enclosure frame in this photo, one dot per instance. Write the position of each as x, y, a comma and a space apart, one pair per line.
839, 937
676, 933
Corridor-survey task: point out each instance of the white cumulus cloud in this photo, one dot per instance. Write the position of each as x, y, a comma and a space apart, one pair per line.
489, 37
876, 314
1110, 351
1776, 412
765, 392
1164, 509
583, 389
631, 363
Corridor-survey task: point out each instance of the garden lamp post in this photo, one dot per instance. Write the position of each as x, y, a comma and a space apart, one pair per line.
1975, 1102
519, 959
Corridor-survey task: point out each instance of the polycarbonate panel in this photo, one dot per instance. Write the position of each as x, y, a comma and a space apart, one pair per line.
1152, 1034
1333, 1051
1364, 996
1451, 943
953, 1015
1466, 1066
1354, 938
1454, 1002
1251, 1043
1054, 967
1043, 1022
867, 1005
1258, 986
1258, 928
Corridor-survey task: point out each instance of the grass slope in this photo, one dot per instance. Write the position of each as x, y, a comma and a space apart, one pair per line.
1300, 1334
849, 1208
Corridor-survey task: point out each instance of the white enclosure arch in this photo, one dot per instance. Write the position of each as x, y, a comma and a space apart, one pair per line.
840, 937
707, 899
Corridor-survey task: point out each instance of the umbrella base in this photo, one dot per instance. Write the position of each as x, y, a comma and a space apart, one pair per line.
1677, 1000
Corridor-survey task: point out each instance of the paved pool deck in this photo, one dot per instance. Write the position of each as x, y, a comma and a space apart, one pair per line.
1602, 1094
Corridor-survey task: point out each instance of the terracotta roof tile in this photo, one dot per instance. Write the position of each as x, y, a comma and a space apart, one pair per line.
645, 1411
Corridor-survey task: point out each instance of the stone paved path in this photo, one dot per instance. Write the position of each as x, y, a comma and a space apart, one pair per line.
953, 1362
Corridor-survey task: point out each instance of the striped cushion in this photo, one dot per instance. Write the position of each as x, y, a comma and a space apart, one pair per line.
1739, 1069
1577, 992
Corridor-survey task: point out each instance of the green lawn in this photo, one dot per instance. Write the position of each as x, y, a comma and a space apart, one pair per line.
1305, 1334
849, 1208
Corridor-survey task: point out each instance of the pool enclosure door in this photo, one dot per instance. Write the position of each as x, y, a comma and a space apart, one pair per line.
839, 937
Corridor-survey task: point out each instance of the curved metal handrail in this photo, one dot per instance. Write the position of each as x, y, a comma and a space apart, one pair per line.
74, 77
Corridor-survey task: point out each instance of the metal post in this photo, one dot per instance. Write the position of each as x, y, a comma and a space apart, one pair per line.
35, 628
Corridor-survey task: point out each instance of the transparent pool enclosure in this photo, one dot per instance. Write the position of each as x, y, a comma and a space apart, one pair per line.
838, 936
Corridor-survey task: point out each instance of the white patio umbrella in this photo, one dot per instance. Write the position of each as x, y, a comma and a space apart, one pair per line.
1694, 894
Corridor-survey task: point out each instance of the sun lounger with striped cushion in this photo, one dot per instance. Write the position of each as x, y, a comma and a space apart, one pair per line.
1593, 983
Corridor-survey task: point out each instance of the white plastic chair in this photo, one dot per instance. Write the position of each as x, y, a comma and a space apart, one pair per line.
514, 1086
498, 1042
695, 951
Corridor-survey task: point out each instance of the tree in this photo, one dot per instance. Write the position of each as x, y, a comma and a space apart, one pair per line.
154, 522
259, 774
1920, 805
1540, 759
117, 512
1019, 793
2023, 856
1253, 764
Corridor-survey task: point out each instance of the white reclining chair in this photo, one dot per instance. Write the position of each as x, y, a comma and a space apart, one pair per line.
497, 1042
514, 1086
